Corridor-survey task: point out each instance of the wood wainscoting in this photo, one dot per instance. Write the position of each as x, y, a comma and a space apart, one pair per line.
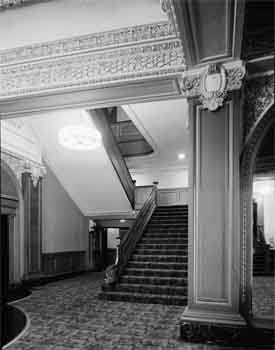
173, 196
63, 262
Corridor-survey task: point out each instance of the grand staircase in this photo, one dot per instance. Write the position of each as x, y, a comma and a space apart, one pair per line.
157, 270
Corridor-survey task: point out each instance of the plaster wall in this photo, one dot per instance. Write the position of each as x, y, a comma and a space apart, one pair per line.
65, 228
18, 138
7, 186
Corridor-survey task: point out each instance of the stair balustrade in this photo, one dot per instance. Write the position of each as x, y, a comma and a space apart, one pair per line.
130, 239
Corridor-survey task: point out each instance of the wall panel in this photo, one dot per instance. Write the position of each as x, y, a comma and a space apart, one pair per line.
173, 196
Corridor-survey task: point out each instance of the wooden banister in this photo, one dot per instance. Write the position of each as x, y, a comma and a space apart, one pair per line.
130, 239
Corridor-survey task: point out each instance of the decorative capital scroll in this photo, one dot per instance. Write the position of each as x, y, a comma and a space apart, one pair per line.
212, 83
20, 165
167, 7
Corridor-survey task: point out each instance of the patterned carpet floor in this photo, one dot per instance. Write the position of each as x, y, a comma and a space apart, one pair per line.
264, 296
67, 315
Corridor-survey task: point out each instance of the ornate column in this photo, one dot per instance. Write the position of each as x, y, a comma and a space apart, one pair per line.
214, 244
32, 194
29, 175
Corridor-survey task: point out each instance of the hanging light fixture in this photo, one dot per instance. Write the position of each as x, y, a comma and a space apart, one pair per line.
79, 137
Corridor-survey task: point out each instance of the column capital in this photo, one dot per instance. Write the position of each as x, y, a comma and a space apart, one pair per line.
211, 83
20, 165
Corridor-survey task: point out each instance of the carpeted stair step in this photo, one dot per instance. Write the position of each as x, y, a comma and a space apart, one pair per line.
156, 272
165, 214
164, 240
160, 258
164, 235
168, 220
150, 288
161, 251
157, 265
176, 281
176, 213
167, 225
162, 246
171, 208
182, 230
145, 298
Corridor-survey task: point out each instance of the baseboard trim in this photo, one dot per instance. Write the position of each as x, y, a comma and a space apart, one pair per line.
49, 278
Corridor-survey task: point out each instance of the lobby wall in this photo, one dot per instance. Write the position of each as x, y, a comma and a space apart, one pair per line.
7, 186
64, 229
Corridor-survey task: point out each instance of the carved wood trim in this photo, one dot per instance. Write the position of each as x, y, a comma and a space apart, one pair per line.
63, 262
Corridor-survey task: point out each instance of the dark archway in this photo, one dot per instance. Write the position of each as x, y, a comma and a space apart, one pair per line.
248, 159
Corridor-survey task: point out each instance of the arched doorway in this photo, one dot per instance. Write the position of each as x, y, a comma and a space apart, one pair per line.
248, 163
12, 206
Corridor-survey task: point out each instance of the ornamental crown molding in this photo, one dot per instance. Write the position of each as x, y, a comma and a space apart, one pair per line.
98, 60
93, 69
8, 4
212, 83
20, 165
129, 36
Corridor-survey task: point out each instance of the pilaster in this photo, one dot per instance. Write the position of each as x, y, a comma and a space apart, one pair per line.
214, 240
32, 194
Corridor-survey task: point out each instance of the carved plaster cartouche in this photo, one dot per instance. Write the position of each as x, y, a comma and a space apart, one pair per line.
212, 83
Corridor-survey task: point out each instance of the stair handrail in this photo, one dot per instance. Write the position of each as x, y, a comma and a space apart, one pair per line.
132, 236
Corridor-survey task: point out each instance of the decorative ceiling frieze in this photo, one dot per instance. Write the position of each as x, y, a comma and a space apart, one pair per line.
137, 35
10, 4
126, 55
211, 84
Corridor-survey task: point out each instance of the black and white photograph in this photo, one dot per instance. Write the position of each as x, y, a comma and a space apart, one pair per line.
137, 175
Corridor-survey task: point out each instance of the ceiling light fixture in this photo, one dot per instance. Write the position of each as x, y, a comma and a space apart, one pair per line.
181, 156
79, 137
122, 220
